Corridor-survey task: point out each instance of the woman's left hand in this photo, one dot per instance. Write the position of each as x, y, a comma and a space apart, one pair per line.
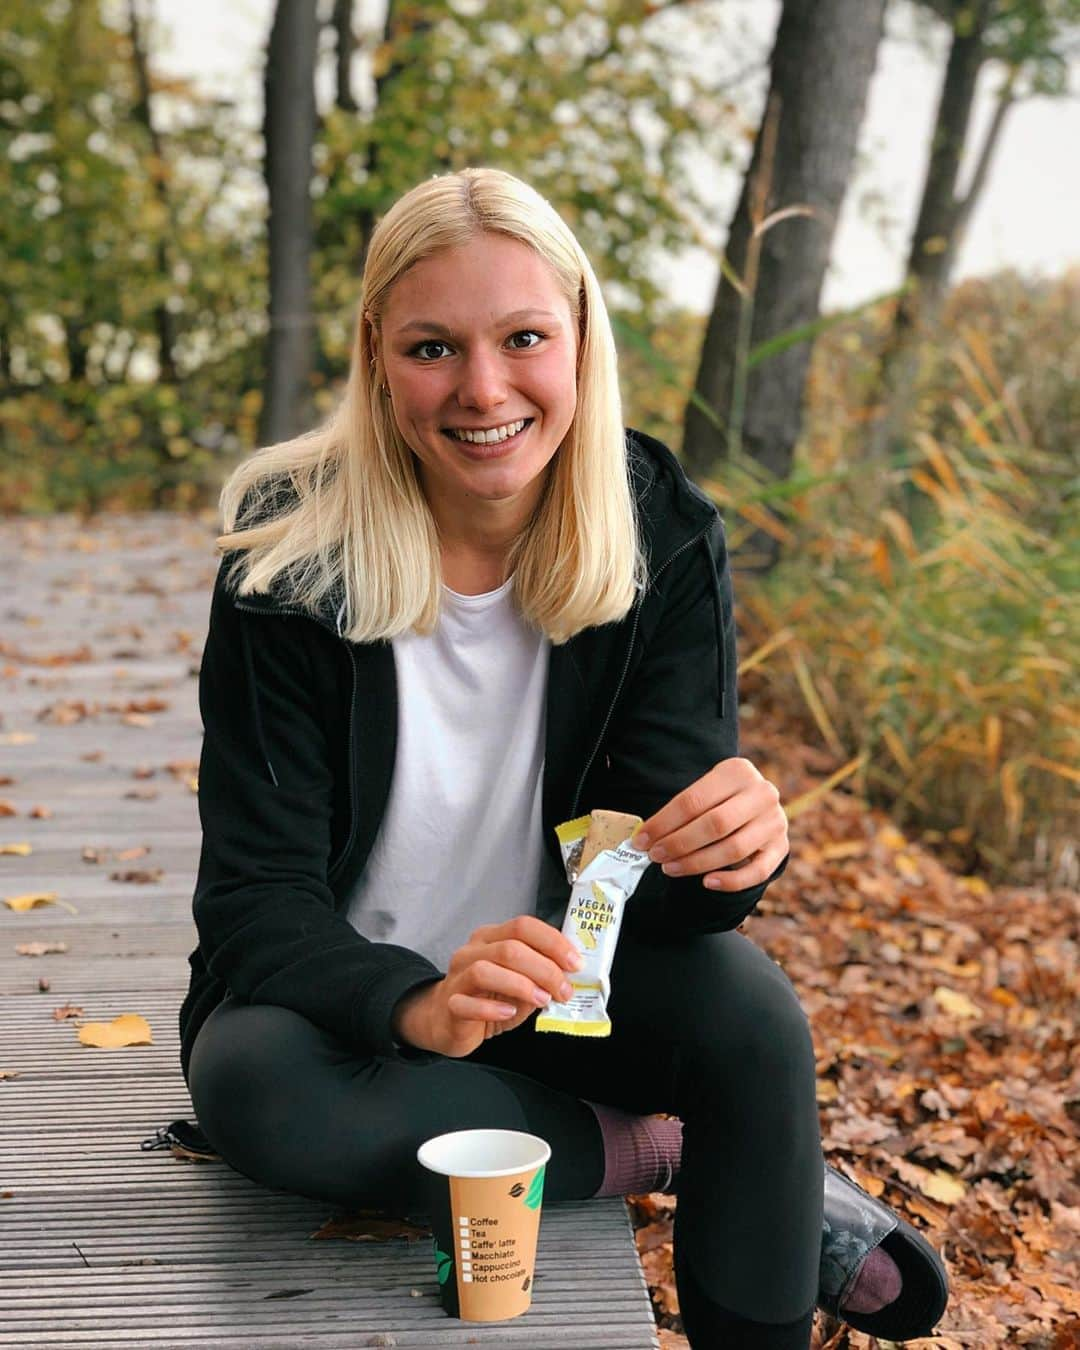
729, 816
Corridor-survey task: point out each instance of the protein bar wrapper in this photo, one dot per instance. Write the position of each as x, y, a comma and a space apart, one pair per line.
598, 896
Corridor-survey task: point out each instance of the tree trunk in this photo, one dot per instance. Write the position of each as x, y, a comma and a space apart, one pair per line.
289, 132
163, 319
939, 229
346, 46
821, 64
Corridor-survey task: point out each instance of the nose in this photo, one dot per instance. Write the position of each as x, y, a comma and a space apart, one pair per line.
483, 383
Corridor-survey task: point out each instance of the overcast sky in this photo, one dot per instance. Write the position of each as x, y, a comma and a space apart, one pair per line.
1028, 216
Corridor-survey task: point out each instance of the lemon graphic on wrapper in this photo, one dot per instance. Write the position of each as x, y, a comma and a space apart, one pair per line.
588, 940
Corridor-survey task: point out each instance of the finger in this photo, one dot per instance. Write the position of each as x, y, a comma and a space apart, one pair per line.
720, 821
735, 848
540, 973
758, 869
475, 1008
722, 781
509, 986
533, 932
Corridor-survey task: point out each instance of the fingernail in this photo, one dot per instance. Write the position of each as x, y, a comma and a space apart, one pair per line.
506, 1009
658, 854
566, 991
640, 842
575, 960
542, 997
671, 869
713, 883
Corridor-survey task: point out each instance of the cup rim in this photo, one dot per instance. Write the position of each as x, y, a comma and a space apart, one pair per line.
544, 1149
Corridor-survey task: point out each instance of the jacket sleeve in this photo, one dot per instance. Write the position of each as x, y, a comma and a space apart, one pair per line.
677, 717
263, 907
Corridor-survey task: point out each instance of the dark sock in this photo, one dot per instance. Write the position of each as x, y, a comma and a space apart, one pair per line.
877, 1284
641, 1153
709, 1325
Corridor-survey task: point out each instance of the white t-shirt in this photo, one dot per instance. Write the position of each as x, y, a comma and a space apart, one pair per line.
461, 840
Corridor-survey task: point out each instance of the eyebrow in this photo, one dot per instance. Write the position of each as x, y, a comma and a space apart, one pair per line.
426, 326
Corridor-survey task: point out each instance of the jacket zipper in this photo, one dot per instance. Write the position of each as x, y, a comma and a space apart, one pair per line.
626, 666
335, 863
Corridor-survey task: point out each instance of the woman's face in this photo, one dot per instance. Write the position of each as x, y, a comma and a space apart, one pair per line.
480, 338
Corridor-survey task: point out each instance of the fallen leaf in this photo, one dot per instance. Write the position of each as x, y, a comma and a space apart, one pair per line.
18, 738
15, 850
8, 1073
127, 1029
130, 854
371, 1226
41, 812
6, 809
955, 1003
139, 877
68, 1010
40, 948
93, 756
137, 720
36, 898
142, 794
43, 985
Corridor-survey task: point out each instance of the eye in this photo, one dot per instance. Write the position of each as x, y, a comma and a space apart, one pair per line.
528, 332
419, 349
431, 342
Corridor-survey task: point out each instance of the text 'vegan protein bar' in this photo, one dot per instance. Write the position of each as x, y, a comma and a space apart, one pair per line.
603, 869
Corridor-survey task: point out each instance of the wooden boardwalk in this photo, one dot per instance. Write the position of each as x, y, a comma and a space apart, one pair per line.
102, 1244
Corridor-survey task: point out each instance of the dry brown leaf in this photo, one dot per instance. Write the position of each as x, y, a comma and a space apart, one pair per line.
139, 877
142, 794
68, 1010
18, 738
40, 948
93, 756
137, 720
127, 1029
15, 850
371, 1226
41, 812
6, 809
130, 854
43, 985
8, 1073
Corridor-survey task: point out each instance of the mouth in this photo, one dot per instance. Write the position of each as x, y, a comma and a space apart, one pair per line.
500, 444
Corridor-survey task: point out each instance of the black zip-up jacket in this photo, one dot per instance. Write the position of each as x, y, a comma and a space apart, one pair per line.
300, 731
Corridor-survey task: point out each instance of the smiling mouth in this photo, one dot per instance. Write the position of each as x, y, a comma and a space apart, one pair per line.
495, 436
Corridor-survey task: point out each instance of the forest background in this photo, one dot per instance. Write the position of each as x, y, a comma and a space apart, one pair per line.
898, 481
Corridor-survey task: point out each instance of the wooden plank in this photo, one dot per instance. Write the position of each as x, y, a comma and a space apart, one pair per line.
106, 1245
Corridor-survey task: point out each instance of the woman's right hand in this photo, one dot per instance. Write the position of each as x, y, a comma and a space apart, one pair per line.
501, 976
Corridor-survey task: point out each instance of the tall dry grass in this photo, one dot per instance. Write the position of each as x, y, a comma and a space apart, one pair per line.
932, 643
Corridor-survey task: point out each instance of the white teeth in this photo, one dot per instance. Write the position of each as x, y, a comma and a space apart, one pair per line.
491, 437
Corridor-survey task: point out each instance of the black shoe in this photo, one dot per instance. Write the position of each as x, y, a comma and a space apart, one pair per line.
855, 1223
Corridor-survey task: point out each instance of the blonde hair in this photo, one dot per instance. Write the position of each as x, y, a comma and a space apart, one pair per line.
341, 510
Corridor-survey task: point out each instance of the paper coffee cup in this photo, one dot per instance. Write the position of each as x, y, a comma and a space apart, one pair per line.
486, 1187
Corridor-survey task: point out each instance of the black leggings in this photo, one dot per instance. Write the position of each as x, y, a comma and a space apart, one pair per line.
708, 1029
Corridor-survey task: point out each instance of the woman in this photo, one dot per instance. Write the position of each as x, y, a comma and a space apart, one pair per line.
469, 607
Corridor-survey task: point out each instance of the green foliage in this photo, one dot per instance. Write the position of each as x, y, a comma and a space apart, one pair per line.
943, 644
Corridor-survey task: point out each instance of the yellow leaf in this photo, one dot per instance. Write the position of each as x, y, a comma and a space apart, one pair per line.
15, 850
127, 1029
843, 848
943, 1186
827, 1091
18, 738
35, 898
955, 1003
975, 885
891, 837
